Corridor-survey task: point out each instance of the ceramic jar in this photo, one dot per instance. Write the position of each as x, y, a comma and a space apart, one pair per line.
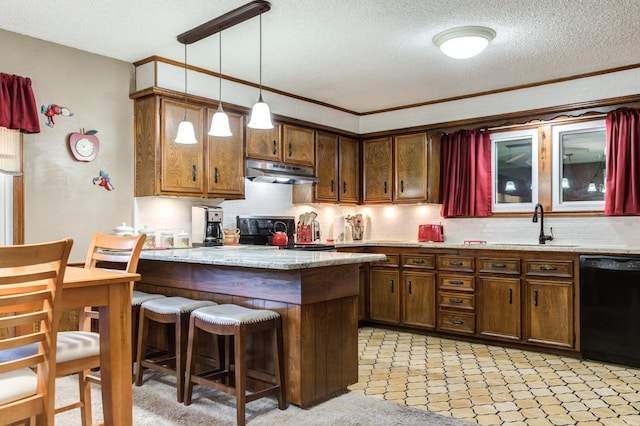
182, 240
150, 241
166, 239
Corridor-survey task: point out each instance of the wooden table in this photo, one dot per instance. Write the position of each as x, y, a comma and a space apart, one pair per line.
110, 290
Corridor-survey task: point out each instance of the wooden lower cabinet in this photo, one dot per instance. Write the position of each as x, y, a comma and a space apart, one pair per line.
499, 308
384, 295
549, 314
419, 301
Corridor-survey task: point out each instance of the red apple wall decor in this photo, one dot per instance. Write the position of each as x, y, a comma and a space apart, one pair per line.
84, 146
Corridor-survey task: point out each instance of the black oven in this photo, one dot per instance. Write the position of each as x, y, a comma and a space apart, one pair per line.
258, 230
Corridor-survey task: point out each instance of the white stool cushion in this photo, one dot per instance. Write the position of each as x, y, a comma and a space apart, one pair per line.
77, 344
139, 297
71, 345
175, 305
17, 384
230, 314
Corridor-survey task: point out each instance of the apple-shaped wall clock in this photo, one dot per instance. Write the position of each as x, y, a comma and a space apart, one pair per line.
85, 145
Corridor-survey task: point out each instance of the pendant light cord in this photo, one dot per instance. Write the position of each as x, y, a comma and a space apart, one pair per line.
220, 63
260, 54
185, 82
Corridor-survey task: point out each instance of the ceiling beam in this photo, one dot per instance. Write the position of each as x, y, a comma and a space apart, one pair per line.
225, 21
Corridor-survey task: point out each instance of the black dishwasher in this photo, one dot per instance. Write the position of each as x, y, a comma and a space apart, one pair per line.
610, 309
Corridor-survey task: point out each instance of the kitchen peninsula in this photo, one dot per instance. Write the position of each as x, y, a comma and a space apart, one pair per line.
315, 292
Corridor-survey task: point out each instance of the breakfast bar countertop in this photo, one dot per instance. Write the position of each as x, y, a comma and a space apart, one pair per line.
264, 257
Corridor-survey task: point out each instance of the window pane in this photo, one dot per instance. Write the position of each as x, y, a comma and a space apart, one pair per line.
579, 177
514, 171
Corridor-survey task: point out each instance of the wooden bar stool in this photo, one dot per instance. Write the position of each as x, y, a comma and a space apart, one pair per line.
137, 299
239, 322
169, 311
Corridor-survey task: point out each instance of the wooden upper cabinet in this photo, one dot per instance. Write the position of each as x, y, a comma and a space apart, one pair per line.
182, 166
411, 167
264, 144
337, 168
213, 167
225, 155
377, 170
349, 170
298, 145
327, 167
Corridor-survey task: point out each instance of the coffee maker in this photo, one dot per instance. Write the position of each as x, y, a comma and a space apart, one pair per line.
206, 226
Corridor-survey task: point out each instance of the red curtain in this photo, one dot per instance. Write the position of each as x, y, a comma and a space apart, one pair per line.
466, 174
623, 163
18, 108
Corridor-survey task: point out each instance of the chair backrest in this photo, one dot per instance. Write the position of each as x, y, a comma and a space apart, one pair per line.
114, 249
31, 279
113, 252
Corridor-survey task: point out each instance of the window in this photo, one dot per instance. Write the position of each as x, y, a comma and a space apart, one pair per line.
515, 170
579, 166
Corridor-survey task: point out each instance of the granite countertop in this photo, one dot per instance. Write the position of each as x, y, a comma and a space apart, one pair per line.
550, 246
259, 257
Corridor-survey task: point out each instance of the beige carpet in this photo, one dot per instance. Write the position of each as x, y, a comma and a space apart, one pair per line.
154, 404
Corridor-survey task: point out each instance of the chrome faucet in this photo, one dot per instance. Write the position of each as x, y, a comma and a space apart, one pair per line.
542, 238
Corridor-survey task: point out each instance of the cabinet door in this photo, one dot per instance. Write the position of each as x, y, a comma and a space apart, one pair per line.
419, 302
377, 170
384, 295
349, 170
226, 160
298, 145
182, 169
264, 144
411, 167
498, 312
327, 167
549, 313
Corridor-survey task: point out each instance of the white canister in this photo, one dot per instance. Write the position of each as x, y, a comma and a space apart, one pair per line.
166, 239
182, 240
150, 241
123, 230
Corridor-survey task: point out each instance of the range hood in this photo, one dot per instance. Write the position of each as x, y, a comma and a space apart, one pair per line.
274, 172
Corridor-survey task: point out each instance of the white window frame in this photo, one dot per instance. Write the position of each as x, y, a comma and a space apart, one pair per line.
506, 136
6, 210
556, 175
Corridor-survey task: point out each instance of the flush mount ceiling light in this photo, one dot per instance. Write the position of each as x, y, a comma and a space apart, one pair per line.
464, 42
186, 135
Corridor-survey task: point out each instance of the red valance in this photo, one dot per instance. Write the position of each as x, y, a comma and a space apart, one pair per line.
18, 108
466, 174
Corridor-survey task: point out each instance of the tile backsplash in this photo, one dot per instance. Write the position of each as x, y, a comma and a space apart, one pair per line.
391, 222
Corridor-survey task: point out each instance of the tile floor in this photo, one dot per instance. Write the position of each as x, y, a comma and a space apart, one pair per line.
491, 385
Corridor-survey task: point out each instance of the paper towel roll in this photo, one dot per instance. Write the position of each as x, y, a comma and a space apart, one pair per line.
338, 228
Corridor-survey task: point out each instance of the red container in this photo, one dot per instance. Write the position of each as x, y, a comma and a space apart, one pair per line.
431, 233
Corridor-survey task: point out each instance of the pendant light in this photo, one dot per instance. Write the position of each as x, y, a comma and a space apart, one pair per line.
186, 135
220, 120
510, 186
260, 114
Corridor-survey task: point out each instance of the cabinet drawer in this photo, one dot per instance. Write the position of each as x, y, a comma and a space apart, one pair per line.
459, 322
549, 268
456, 300
456, 282
499, 266
456, 263
419, 261
391, 260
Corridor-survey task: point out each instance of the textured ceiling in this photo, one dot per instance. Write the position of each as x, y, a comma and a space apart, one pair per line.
362, 55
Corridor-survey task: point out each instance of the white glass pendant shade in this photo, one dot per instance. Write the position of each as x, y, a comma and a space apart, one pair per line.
565, 183
220, 124
186, 134
510, 186
260, 116
464, 42
592, 187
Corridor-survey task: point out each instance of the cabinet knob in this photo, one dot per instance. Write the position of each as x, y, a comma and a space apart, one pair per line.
548, 268
455, 300
194, 173
391, 286
456, 322
332, 185
417, 261
215, 175
510, 296
275, 147
344, 187
290, 149
535, 298
409, 287
402, 186
456, 282
455, 263
498, 265
385, 186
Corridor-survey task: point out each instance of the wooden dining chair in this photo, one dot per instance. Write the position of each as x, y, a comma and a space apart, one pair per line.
79, 351
30, 292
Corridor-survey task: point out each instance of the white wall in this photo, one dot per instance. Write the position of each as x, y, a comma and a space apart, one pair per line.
60, 199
